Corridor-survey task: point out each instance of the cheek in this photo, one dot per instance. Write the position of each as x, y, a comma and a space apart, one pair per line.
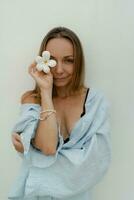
52, 70
70, 69
67, 69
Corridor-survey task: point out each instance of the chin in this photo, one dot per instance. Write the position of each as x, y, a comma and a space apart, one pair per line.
61, 84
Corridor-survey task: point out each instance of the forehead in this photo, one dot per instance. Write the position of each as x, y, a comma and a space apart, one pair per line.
60, 47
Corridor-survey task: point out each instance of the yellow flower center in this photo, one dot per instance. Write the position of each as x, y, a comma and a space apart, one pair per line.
45, 61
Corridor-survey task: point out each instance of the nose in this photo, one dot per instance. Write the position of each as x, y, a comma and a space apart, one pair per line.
59, 68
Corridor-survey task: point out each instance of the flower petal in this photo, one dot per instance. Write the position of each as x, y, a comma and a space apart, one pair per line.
39, 66
52, 63
46, 55
46, 69
38, 59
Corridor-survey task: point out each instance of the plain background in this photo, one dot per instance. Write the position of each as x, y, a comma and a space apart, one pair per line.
106, 30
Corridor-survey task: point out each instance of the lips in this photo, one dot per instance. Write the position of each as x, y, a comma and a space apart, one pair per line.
60, 78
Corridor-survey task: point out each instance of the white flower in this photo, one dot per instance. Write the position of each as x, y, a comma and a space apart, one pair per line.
44, 62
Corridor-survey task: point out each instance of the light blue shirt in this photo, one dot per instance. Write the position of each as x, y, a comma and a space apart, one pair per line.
77, 166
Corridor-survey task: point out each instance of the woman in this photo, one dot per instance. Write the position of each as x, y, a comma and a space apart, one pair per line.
66, 153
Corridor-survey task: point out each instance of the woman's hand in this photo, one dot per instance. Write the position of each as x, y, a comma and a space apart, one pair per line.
43, 80
16, 140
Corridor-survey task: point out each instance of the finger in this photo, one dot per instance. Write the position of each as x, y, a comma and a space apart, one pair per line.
17, 136
32, 67
15, 142
19, 147
37, 75
33, 73
50, 73
18, 144
33, 64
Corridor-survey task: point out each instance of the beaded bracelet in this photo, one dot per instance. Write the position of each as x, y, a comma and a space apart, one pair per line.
50, 110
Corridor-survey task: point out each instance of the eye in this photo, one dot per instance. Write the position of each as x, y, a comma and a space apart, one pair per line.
69, 60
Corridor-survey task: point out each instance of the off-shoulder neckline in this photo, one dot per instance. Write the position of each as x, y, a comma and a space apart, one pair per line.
90, 94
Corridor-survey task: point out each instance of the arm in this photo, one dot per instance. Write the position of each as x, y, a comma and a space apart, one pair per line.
46, 137
46, 140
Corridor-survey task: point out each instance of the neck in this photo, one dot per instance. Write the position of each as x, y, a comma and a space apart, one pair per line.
63, 92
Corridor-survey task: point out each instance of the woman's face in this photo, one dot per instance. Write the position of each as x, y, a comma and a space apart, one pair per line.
61, 50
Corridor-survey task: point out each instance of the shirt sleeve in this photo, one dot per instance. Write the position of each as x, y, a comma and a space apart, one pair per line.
78, 168
26, 126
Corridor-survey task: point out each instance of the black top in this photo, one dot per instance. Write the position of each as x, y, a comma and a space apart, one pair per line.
83, 113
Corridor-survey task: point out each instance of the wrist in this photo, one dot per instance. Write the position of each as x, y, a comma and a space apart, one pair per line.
46, 101
46, 94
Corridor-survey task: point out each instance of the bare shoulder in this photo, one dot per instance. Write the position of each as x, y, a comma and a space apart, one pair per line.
29, 97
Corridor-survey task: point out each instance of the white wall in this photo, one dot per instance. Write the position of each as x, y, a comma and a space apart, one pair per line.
106, 30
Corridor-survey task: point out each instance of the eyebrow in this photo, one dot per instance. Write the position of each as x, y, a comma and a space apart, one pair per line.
64, 56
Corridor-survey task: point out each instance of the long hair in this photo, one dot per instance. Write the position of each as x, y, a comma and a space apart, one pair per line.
79, 63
